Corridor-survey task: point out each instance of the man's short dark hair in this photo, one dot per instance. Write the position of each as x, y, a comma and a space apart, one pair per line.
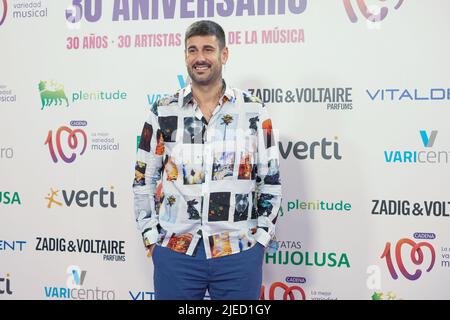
206, 28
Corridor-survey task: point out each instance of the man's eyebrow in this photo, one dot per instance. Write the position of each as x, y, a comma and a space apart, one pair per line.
192, 46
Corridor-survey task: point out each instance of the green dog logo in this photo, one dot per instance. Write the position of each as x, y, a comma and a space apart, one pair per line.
52, 92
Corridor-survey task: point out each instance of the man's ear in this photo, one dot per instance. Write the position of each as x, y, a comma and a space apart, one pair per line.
224, 55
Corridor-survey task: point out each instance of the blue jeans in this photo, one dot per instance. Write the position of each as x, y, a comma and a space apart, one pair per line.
181, 277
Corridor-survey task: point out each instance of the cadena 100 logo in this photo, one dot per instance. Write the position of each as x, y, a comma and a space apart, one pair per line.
416, 255
370, 16
280, 289
64, 139
5, 9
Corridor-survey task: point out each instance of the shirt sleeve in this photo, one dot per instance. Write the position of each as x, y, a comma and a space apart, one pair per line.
268, 183
147, 174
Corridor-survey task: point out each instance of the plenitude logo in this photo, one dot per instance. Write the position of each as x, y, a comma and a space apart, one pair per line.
300, 206
52, 93
419, 156
82, 198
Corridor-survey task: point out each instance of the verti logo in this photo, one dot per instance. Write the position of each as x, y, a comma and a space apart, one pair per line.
152, 98
366, 12
70, 142
82, 198
416, 257
5, 285
52, 93
3, 11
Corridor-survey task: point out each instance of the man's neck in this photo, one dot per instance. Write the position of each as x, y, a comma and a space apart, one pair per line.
207, 96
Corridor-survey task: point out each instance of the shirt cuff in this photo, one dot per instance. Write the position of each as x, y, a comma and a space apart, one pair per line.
262, 236
150, 237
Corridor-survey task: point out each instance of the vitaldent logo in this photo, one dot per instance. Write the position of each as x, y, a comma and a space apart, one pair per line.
142, 295
396, 94
5, 285
302, 150
101, 198
75, 289
294, 255
300, 206
154, 97
9, 198
425, 156
11, 245
6, 153
3, 11
370, 15
333, 98
52, 94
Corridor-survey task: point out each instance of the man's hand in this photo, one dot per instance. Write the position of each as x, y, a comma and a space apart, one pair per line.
150, 249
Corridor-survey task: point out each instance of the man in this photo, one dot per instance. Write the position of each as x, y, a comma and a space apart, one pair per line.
207, 223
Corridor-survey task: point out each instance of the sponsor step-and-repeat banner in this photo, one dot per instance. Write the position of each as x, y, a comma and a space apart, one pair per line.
359, 90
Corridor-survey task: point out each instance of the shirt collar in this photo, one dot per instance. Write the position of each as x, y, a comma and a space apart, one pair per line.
228, 95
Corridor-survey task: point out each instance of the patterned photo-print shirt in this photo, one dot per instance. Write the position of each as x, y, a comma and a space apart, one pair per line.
214, 183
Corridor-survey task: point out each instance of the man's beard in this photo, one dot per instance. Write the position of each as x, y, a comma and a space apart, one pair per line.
200, 80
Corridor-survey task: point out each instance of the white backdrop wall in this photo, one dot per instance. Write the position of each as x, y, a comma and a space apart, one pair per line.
366, 180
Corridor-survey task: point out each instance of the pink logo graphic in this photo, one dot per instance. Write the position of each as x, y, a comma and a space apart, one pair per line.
72, 143
5, 9
366, 12
287, 291
416, 255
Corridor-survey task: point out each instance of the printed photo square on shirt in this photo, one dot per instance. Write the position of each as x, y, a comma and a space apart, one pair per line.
246, 240
180, 243
194, 207
146, 137
273, 174
159, 143
252, 121
139, 174
220, 245
254, 206
170, 209
223, 165
169, 126
219, 206
193, 173
193, 130
170, 169
247, 167
241, 207
226, 127
269, 140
